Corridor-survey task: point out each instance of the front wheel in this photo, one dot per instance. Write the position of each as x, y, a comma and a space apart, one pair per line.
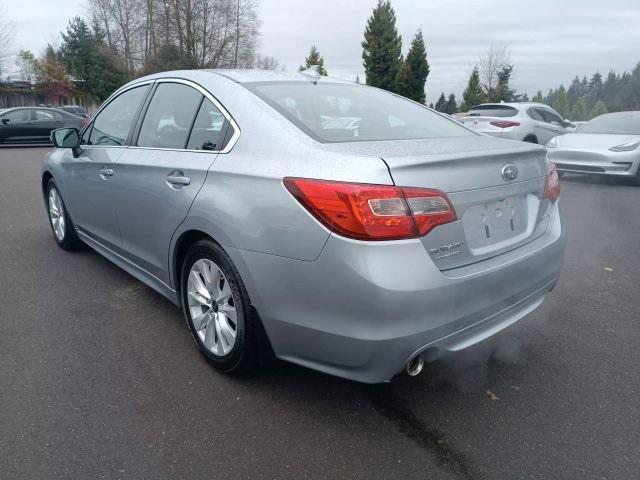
63, 231
218, 311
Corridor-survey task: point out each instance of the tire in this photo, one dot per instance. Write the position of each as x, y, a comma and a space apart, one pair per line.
636, 179
227, 332
64, 232
530, 139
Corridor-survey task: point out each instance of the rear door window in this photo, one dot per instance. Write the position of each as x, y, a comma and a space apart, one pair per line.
552, 117
170, 116
210, 129
535, 114
112, 125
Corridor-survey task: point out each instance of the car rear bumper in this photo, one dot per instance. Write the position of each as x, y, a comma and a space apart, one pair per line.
363, 309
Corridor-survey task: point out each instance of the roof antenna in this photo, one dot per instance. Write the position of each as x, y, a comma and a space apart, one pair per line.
312, 73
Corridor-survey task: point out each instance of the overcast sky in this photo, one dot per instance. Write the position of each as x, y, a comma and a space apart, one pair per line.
550, 41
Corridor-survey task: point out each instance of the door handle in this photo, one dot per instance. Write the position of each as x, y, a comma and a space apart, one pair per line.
106, 172
178, 180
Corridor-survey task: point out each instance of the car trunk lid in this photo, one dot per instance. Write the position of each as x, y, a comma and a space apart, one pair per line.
496, 187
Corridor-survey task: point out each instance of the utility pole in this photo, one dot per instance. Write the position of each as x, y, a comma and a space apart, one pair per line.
235, 63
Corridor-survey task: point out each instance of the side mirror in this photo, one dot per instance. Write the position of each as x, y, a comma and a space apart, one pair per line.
67, 138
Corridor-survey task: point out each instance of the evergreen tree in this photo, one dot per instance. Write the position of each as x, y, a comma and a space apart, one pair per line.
418, 70
441, 104
168, 57
561, 103
579, 111
358, 79
504, 93
95, 70
538, 97
451, 106
473, 95
595, 88
598, 109
403, 81
314, 58
382, 47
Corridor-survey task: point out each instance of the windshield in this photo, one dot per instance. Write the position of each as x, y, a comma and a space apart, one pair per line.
627, 123
349, 113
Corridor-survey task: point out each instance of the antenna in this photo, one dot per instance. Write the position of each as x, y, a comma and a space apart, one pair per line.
312, 73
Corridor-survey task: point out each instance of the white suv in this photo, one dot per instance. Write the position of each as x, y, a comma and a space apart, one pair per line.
530, 122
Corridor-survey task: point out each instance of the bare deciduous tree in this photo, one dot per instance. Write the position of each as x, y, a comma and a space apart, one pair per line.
491, 63
7, 32
205, 33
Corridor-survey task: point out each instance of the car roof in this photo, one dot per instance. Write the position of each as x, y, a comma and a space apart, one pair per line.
244, 76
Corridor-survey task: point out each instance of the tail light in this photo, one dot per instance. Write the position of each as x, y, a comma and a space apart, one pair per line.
372, 212
505, 123
552, 185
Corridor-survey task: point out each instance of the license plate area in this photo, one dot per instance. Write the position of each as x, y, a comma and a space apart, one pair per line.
496, 222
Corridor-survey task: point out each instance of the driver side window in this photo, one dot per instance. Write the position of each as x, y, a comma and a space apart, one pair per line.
113, 123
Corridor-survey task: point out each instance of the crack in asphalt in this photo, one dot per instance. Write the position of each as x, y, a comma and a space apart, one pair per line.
390, 405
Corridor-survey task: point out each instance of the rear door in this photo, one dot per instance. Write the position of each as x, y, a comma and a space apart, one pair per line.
179, 136
45, 121
552, 126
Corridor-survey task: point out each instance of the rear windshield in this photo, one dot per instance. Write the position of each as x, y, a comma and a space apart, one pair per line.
350, 113
614, 123
493, 111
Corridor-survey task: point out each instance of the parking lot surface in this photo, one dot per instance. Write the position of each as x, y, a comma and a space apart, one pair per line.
99, 377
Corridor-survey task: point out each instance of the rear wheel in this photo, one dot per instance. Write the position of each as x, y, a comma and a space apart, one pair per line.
64, 232
636, 179
218, 311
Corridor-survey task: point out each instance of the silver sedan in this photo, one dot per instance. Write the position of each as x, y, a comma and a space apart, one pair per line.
607, 145
330, 224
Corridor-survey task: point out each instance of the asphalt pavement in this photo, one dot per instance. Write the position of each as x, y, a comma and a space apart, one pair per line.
99, 378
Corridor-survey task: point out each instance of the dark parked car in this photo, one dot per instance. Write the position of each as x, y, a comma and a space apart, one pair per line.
34, 124
76, 110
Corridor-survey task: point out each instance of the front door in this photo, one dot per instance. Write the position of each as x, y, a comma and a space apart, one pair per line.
16, 125
158, 179
90, 176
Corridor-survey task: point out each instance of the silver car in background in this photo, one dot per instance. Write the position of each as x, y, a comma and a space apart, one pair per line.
529, 122
359, 248
607, 145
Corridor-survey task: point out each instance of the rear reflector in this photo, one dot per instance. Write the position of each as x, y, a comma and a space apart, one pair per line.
372, 212
552, 185
505, 123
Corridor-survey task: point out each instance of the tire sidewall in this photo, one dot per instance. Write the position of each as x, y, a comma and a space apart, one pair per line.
205, 249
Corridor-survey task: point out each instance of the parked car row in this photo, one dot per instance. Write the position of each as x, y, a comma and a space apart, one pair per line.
606, 145
34, 124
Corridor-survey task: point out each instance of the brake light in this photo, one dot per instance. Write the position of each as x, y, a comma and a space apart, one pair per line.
372, 212
505, 123
552, 185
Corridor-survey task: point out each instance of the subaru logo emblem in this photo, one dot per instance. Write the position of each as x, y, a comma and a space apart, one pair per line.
509, 172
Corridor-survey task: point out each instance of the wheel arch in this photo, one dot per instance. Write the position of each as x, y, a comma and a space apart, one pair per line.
180, 249
531, 138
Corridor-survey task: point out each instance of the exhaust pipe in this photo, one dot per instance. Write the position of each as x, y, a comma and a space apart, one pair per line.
415, 365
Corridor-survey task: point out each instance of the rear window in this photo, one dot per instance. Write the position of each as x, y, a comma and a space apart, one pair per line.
493, 111
617, 123
351, 113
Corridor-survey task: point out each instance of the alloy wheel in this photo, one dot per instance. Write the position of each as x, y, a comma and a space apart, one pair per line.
56, 214
212, 309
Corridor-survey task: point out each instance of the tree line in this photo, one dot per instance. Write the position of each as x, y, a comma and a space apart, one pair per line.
124, 39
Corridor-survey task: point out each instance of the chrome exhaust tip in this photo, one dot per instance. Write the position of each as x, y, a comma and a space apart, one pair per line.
415, 365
